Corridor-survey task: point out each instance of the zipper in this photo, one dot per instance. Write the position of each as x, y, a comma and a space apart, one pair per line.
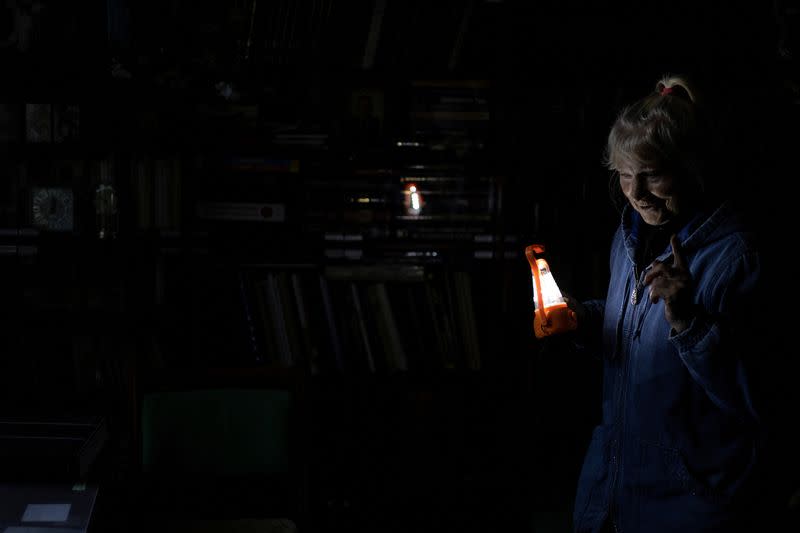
616, 442
636, 295
638, 287
628, 336
640, 321
635, 291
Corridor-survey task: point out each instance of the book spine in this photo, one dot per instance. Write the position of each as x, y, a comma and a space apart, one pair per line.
362, 328
310, 351
330, 317
236, 211
277, 308
39, 123
466, 316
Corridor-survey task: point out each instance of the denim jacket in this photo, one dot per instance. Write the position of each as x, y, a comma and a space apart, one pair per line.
679, 433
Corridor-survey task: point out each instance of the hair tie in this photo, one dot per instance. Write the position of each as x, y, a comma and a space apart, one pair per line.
666, 90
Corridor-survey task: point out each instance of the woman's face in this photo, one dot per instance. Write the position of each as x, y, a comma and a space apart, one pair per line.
652, 192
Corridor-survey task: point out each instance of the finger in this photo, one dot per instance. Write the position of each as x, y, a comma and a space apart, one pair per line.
678, 261
659, 269
661, 289
654, 295
656, 290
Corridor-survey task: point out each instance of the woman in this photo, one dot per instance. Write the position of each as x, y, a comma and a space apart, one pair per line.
677, 446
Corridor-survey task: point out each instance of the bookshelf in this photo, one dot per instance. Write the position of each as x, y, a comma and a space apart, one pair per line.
277, 227
376, 266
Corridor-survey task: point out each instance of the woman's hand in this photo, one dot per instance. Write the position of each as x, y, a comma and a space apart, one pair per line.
576, 306
673, 284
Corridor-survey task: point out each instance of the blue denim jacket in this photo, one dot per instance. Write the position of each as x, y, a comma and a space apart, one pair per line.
679, 433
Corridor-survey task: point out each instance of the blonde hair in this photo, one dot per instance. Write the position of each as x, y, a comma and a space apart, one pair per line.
666, 129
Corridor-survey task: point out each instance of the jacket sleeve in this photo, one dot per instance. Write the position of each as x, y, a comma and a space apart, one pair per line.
589, 335
590, 325
592, 329
716, 346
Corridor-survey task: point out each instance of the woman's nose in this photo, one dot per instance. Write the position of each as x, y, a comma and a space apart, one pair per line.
638, 188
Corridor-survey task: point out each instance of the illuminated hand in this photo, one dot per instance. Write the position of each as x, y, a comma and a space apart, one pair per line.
576, 305
673, 283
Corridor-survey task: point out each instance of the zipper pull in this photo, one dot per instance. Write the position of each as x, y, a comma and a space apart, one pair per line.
639, 286
635, 291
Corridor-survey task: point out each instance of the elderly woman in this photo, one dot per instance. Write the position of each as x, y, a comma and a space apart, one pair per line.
678, 445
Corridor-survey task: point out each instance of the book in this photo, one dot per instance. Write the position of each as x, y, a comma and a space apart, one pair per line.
466, 319
443, 332
290, 318
277, 309
263, 164
241, 211
38, 123
167, 194
250, 310
305, 322
408, 310
451, 319
394, 352
362, 327
366, 116
330, 317
268, 337
373, 36
66, 122
142, 185
377, 272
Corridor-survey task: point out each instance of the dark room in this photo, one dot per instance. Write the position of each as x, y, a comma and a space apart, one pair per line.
398, 266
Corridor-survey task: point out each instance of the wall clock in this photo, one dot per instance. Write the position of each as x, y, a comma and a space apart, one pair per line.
53, 208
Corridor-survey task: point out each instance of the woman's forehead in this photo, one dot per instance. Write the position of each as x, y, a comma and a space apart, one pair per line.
633, 162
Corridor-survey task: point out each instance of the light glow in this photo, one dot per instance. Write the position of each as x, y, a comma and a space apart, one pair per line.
551, 295
414, 201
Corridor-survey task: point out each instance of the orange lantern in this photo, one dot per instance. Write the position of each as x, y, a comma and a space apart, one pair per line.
551, 313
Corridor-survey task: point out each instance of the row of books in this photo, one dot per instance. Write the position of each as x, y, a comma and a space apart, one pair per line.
415, 215
360, 216
157, 189
368, 320
452, 115
415, 195
40, 123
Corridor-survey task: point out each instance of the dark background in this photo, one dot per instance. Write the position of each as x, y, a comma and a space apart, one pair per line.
439, 448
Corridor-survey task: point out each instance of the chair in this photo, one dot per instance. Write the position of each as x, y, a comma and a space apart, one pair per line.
222, 450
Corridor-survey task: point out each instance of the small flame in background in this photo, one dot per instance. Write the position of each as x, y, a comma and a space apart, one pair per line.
414, 200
